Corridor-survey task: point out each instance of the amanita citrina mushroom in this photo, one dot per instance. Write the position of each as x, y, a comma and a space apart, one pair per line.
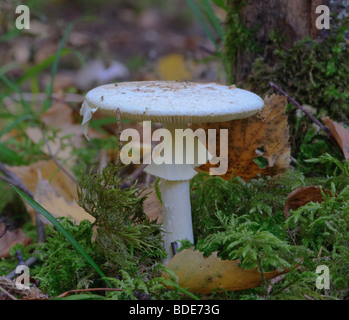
175, 104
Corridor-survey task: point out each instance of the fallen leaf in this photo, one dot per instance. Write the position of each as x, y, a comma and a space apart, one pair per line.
203, 275
46, 196
49, 171
45, 179
340, 134
263, 136
10, 239
173, 67
303, 195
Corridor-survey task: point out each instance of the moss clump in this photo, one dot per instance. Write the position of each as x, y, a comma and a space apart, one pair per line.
63, 267
315, 73
126, 238
245, 220
124, 242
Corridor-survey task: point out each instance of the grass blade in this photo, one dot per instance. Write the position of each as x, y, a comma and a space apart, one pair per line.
64, 232
49, 89
16, 89
15, 123
194, 7
212, 18
35, 70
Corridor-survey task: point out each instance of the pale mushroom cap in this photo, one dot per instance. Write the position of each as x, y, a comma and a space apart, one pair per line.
173, 102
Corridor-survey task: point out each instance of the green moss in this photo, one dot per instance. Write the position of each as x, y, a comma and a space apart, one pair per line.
245, 220
236, 37
63, 268
126, 238
315, 73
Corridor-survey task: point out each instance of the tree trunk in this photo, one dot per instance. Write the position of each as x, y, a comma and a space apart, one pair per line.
293, 19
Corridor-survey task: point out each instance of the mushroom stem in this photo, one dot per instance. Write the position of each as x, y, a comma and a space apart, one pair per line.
175, 194
177, 221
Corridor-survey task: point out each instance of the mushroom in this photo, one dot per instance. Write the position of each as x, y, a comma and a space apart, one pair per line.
175, 104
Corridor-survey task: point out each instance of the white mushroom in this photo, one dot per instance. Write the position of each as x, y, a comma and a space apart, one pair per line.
175, 104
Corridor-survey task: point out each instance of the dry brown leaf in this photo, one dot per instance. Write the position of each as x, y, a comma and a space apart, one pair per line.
303, 195
61, 191
49, 171
340, 134
46, 196
10, 239
264, 135
204, 275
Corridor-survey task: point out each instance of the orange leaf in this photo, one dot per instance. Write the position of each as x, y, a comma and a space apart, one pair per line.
264, 135
340, 134
303, 195
203, 275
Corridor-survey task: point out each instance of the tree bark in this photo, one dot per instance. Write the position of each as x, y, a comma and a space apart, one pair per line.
293, 19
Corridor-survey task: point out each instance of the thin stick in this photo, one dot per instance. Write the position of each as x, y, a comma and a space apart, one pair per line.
119, 131
52, 156
65, 294
8, 294
308, 114
133, 176
5, 230
31, 261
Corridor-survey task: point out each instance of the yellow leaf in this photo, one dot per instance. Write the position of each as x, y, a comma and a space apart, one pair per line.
173, 67
204, 275
57, 206
61, 191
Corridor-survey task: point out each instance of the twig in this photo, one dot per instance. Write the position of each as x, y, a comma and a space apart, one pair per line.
31, 261
20, 257
5, 230
308, 114
207, 50
65, 294
7, 293
133, 176
52, 156
12, 178
119, 131
275, 281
